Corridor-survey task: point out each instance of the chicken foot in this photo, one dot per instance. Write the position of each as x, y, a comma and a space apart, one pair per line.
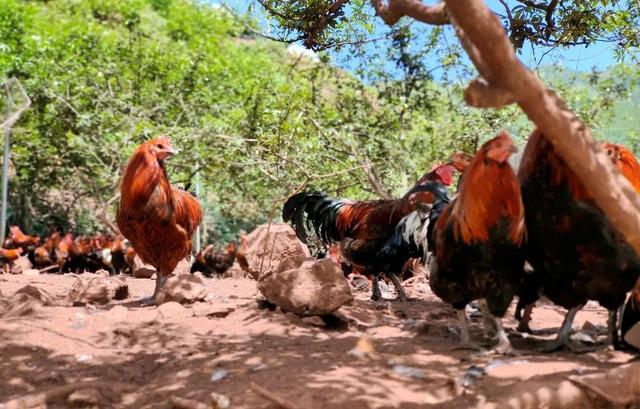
465, 340
160, 280
402, 296
523, 325
564, 335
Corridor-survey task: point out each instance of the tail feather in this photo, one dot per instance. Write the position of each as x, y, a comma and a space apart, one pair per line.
321, 215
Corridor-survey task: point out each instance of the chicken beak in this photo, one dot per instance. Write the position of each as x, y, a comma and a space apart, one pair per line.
513, 149
172, 151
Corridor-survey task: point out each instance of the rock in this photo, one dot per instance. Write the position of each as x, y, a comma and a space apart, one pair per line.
184, 267
31, 272
84, 398
36, 293
317, 287
201, 309
20, 265
92, 289
292, 262
220, 401
102, 272
142, 270
269, 245
184, 289
172, 309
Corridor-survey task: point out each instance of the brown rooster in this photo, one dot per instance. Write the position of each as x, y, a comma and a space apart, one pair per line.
576, 253
158, 220
362, 227
477, 240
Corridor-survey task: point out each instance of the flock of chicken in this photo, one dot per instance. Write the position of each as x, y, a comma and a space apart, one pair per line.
517, 226
520, 226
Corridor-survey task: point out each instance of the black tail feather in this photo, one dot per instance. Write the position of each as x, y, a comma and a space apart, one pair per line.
321, 215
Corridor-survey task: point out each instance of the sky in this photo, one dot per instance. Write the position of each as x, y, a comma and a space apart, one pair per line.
578, 58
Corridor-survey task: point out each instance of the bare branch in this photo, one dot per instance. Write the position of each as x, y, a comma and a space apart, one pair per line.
481, 94
570, 137
416, 9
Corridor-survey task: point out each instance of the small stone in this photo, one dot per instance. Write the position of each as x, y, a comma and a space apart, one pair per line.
84, 398
172, 309
31, 272
31, 291
218, 375
220, 401
409, 372
93, 289
185, 289
20, 265
314, 320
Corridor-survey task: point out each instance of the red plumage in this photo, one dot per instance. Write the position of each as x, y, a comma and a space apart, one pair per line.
478, 238
576, 253
157, 219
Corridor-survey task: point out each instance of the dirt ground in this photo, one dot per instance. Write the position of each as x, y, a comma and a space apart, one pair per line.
378, 355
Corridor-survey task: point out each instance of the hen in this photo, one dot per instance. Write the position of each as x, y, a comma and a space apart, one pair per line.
477, 240
575, 251
158, 220
362, 227
210, 261
18, 239
9, 255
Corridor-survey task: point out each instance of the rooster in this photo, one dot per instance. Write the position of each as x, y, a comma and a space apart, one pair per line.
157, 219
477, 240
362, 227
576, 253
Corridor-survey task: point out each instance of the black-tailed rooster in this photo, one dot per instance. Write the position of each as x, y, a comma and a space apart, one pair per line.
362, 227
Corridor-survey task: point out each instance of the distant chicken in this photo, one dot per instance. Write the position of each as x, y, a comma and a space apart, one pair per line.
361, 227
477, 240
210, 261
18, 239
8, 256
157, 219
575, 251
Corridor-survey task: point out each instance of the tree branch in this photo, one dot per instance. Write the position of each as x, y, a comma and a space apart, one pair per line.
570, 137
416, 9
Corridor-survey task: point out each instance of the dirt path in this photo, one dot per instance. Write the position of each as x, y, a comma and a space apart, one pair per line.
404, 356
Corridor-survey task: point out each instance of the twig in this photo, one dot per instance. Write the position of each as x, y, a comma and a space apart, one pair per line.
278, 400
51, 267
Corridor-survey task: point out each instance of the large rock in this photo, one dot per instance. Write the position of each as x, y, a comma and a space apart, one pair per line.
183, 289
317, 287
142, 270
20, 265
96, 289
269, 245
26, 301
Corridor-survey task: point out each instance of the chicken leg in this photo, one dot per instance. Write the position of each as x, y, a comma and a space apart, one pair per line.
612, 328
523, 325
160, 280
564, 335
402, 296
376, 295
465, 340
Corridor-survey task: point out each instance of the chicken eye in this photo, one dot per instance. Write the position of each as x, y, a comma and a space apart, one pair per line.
159, 146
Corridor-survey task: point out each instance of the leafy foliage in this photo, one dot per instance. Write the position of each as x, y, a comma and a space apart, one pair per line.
255, 119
